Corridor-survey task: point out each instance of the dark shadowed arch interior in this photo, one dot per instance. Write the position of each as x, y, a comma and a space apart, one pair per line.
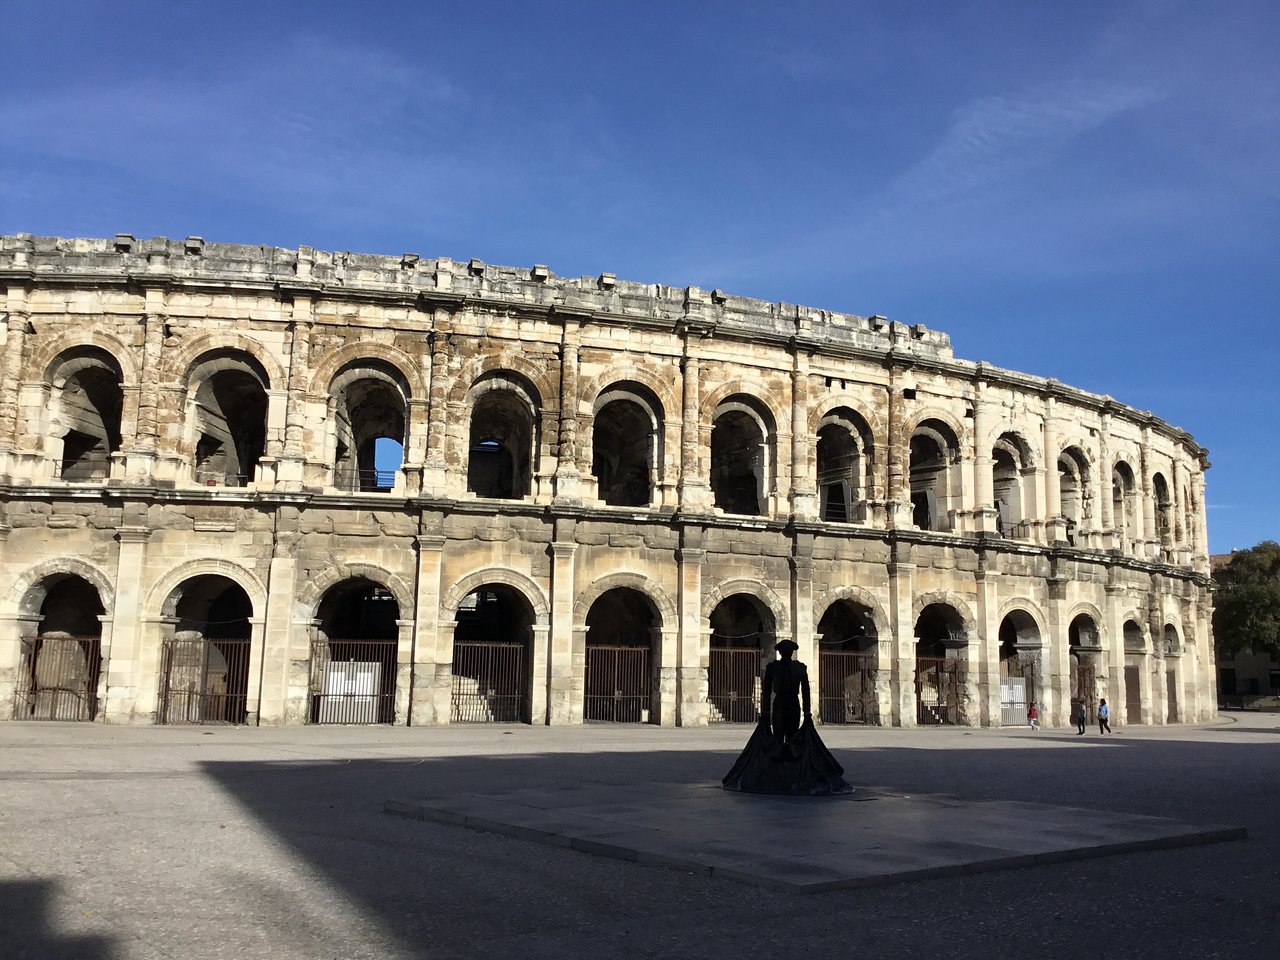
623, 450
1019, 656
353, 658
742, 640
940, 665
61, 664
1074, 497
205, 677
230, 407
844, 461
1010, 459
1083, 644
1164, 509
1123, 491
847, 664
622, 630
501, 447
87, 385
933, 449
492, 653
1133, 641
740, 438
370, 402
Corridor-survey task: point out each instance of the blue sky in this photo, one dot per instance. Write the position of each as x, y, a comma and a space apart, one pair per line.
1089, 191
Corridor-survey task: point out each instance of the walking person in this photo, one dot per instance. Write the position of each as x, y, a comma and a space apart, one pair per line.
1033, 717
1081, 718
1104, 717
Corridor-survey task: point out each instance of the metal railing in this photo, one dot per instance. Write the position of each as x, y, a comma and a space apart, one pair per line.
204, 681
733, 685
353, 681
369, 481
207, 479
940, 692
617, 684
489, 683
61, 679
1017, 689
847, 686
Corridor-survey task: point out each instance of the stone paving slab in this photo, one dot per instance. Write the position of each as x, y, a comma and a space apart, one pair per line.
873, 837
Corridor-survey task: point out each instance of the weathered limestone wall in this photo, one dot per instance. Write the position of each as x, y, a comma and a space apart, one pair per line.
410, 349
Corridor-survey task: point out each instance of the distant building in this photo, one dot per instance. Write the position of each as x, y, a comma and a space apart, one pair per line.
1246, 679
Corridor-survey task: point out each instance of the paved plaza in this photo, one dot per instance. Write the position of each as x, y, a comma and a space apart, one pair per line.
147, 842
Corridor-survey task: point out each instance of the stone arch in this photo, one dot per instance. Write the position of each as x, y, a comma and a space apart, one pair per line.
657, 597
546, 390
856, 595
755, 389
756, 589
1017, 432
42, 364
949, 599
179, 367
331, 365
157, 598
22, 592
518, 581
1024, 605
314, 589
964, 438
621, 373
1094, 613
847, 399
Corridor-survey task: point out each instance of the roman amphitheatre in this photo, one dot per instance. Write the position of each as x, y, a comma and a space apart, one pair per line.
251, 485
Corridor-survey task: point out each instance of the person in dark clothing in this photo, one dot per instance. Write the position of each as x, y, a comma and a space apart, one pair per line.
786, 686
1104, 717
1081, 718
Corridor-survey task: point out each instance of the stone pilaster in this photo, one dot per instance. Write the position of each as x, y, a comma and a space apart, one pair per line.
560, 652
897, 494
567, 478
694, 651
901, 599
985, 515
1055, 524
432, 655
127, 701
804, 487
695, 494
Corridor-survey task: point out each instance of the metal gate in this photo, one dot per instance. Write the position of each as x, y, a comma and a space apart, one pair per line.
1132, 695
939, 690
353, 681
1171, 691
204, 681
617, 684
61, 678
733, 685
1084, 692
847, 686
489, 683
1017, 689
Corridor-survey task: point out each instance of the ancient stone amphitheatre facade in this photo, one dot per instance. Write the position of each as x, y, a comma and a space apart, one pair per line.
253, 485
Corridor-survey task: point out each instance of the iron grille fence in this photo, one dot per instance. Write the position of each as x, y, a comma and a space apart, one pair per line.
733, 685
847, 686
205, 681
61, 678
489, 683
939, 690
1017, 689
1084, 691
353, 681
617, 684
372, 481
1171, 694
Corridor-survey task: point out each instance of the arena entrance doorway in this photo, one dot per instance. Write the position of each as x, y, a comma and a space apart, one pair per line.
621, 629
940, 666
61, 664
492, 650
1019, 659
847, 664
353, 656
205, 669
1083, 648
742, 639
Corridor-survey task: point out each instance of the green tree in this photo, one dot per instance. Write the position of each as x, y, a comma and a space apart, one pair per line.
1246, 612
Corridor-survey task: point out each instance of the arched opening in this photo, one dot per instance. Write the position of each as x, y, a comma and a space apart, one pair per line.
1010, 463
60, 666
354, 653
229, 407
1135, 650
205, 675
1019, 661
622, 628
742, 437
1073, 490
1083, 648
742, 640
934, 452
847, 664
845, 466
500, 457
369, 401
940, 665
492, 651
1123, 491
1172, 650
625, 441
87, 401
1164, 510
